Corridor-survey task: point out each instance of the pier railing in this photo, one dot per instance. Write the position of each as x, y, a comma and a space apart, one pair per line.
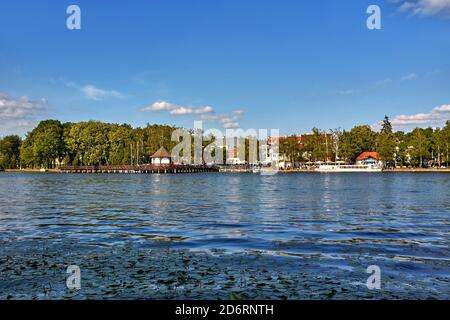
145, 168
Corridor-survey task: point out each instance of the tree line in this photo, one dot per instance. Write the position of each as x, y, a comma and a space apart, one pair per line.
53, 143
418, 148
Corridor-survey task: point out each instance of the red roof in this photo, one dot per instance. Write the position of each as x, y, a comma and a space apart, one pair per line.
365, 155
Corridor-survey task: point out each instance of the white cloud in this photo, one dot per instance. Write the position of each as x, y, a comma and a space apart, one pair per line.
425, 7
228, 121
159, 106
19, 109
177, 110
180, 111
206, 109
19, 115
92, 92
89, 91
408, 77
231, 125
438, 115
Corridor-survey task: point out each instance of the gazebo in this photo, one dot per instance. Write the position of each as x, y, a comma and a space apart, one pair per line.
161, 157
366, 158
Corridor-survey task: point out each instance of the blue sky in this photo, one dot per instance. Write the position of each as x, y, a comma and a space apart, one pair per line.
285, 64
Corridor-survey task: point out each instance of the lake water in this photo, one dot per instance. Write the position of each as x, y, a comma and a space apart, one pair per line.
405, 214
391, 217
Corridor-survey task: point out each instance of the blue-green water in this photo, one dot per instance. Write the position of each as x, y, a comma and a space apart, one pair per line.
400, 221
405, 214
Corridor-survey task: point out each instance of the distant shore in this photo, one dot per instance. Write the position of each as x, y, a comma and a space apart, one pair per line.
31, 171
436, 170
404, 170
418, 170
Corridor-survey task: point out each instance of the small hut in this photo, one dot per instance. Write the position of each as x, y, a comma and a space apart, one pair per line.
161, 157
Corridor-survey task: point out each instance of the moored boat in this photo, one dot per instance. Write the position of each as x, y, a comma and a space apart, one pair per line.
349, 168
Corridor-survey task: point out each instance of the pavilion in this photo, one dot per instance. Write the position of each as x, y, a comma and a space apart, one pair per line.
161, 158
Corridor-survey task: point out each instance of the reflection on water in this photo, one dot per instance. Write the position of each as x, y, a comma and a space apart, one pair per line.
399, 216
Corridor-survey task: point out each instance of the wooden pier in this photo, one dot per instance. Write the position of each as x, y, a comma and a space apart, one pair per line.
147, 168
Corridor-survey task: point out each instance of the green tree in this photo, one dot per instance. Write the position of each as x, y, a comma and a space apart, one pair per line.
420, 146
315, 145
386, 143
386, 126
44, 145
445, 143
10, 152
157, 136
401, 152
358, 140
289, 148
120, 140
89, 142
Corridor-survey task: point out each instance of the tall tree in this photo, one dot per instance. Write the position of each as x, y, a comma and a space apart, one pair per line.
420, 146
290, 148
44, 145
386, 126
358, 140
386, 147
446, 142
10, 152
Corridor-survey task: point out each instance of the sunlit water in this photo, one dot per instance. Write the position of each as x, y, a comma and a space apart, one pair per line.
407, 215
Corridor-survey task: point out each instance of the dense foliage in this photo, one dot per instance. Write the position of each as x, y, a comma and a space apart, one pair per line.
420, 147
53, 143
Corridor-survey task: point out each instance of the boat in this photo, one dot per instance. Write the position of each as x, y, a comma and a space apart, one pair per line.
349, 168
265, 171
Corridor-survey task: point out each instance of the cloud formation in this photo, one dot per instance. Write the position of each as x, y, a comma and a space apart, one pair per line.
19, 109
206, 113
177, 110
90, 91
425, 7
438, 115
18, 115
93, 93
228, 121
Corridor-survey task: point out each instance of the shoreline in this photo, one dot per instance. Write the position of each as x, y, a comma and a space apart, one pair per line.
412, 170
394, 170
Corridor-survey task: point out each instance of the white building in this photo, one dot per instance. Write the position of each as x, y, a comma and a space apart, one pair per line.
161, 158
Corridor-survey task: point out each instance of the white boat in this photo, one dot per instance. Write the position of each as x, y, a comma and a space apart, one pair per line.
265, 171
349, 168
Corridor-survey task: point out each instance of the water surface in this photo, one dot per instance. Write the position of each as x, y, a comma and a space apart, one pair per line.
405, 214
400, 221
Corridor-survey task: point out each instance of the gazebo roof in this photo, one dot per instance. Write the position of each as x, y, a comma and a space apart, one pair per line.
367, 155
161, 153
